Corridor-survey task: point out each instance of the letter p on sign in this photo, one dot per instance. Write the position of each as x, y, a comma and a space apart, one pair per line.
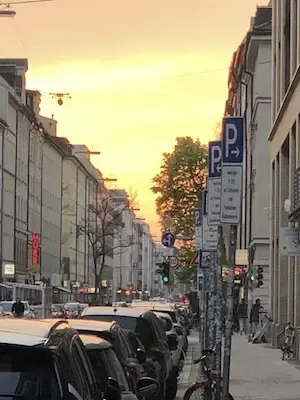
231, 135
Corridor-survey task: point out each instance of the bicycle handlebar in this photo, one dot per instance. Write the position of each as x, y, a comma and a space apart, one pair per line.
205, 353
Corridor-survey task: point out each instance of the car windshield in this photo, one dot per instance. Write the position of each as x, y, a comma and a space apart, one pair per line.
72, 306
57, 308
8, 306
125, 322
105, 364
27, 373
171, 313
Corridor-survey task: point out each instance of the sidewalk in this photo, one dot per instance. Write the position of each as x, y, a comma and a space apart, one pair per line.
257, 372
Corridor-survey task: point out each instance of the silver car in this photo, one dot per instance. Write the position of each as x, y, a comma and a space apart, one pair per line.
7, 309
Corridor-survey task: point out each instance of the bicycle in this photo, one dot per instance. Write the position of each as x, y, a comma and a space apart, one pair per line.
289, 332
206, 386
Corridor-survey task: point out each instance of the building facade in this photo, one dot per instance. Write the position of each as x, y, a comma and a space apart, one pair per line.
250, 97
285, 161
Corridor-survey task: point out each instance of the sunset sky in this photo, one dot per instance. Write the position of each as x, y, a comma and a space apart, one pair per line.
140, 73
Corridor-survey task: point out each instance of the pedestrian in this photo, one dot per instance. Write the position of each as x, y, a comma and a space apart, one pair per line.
242, 315
255, 316
18, 308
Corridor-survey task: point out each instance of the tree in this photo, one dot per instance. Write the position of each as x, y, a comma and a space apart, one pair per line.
217, 131
186, 274
180, 183
132, 198
104, 234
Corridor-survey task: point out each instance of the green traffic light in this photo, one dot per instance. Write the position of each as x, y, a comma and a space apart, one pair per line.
165, 279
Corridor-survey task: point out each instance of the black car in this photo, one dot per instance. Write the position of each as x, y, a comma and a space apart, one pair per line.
106, 364
112, 332
46, 360
151, 333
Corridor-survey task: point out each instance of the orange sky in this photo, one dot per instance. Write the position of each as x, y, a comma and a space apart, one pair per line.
140, 73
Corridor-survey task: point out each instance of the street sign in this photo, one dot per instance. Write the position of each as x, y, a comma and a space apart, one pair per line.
233, 140
168, 222
232, 170
168, 239
174, 261
209, 235
289, 241
197, 216
215, 159
205, 201
198, 227
214, 182
205, 259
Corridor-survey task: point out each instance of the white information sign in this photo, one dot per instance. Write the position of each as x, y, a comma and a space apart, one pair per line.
231, 193
198, 237
214, 200
209, 235
289, 241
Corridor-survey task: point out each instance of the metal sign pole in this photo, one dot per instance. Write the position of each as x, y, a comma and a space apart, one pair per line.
230, 209
219, 303
229, 314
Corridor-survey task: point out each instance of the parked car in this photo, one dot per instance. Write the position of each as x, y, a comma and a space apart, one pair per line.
58, 311
47, 362
177, 354
105, 364
147, 326
112, 332
73, 310
7, 309
177, 321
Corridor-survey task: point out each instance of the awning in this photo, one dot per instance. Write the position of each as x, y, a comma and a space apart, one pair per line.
62, 289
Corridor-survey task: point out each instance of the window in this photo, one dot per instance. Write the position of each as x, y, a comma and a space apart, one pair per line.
83, 379
27, 372
124, 321
105, 364
287, 44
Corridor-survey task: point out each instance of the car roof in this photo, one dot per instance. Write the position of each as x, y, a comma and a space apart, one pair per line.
94, 342
163, 315
91, 325
120, 311
12, 302
25, 332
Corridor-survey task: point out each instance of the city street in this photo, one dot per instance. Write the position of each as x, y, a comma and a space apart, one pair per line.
257, 372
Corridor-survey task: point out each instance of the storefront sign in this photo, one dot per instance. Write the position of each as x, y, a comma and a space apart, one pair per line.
36, 242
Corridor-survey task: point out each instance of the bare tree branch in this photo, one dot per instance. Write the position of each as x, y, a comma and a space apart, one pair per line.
104, 234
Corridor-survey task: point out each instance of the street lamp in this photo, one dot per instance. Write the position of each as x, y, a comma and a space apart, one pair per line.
107, 180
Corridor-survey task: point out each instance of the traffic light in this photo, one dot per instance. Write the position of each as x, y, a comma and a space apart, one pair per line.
259, 276
165, 274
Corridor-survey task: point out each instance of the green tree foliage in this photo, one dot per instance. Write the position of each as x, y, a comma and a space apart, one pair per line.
186, 274
180, 183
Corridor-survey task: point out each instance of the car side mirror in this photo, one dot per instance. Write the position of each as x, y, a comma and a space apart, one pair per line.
147, 387
172, 342
141, 356
179, 330
112, 390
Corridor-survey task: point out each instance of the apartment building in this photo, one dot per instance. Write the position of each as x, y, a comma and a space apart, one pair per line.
249, 96
30, 231
284, 140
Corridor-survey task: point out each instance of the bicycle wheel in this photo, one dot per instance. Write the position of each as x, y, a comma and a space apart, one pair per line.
199, 391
